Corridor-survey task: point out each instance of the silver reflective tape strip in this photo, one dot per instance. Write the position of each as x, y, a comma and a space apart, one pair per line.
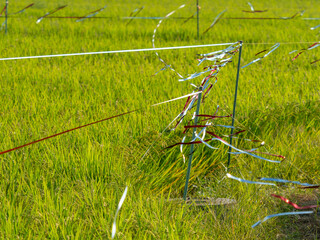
278, 215
114, 225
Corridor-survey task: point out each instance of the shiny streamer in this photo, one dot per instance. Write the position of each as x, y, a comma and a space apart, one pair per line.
185, 21
249, 140
22, 10
91, 14
155, 18
241, 151
162, 69
270, 154
195, 75
224, 142
247, 181
285, 181
252, 9
221, 56
294, 16
216, 20
313, 28
114, 225
134, 13
154, 35
181, 150
3, 10
2, 25
49, 13
205, 142
315, 186
315, 61
274, 47
280, 214
244, 150
296, 206
315, 45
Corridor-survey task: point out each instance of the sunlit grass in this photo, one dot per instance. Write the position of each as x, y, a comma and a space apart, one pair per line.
69, 186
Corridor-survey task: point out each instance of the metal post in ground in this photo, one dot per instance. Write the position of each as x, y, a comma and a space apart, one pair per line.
6, 21
234, 103
192, 146
198, 18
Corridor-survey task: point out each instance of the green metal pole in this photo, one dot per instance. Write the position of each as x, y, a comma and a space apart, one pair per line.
198, 19
235, 103
7, 3
192, 146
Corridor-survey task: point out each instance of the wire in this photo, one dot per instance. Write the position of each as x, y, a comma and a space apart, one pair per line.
89, 124
114, 51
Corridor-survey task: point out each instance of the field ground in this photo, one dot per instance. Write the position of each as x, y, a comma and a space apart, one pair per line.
68, 187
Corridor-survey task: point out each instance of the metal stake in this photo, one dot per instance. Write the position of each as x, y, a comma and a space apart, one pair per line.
6, 21
235, 103
192, 146
198, 19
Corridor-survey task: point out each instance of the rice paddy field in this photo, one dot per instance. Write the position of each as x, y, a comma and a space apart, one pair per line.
69, 187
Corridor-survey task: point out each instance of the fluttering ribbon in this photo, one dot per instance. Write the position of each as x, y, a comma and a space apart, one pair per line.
249, 140
235, 153
154, 35
225, 143
311, 18
270, 154
134, 13
220, 57
197, 74
215, 21
315, 61
162, 69
315, 186
294, 16
270, 50
114, 225
3, 10
315, 45
280, 214
313, 28
91, 14
185, 21
2, 25
23, 9
252, 9
285, 181
49, 13
214, 70
247, 181
245, 152
296, 206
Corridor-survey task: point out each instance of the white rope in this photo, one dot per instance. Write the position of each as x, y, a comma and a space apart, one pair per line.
114, 51
267, 43
137, 50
